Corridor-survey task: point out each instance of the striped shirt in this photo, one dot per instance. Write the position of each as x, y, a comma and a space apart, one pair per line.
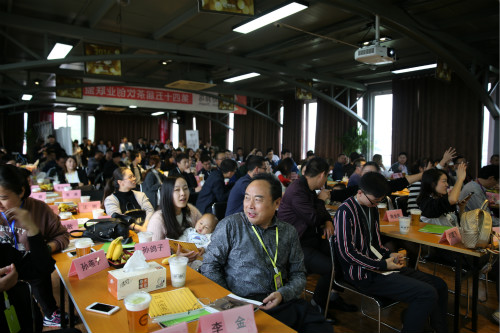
412, 197
352, 241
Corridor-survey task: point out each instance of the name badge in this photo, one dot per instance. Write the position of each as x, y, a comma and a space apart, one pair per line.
451, 236
60, 187
154, 250
74, 194
70, 224
89, 264
88, 207
240, 319
393, 215
39, 196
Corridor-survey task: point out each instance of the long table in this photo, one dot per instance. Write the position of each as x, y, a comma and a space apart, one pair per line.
94, 288
392, 230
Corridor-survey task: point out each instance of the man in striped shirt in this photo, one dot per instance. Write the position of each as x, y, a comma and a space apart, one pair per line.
363, 258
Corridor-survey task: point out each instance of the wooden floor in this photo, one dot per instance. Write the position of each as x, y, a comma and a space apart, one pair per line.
348, 322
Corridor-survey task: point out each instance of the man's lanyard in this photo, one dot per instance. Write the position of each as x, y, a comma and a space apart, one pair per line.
262, 243
369, 224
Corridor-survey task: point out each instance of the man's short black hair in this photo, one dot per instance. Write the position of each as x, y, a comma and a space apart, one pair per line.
50, 136
180, 157
375, 184
315, 166
285, 151
274, 184
116, 154
254, 161
488, 171
403, 153
228, 165
374, 164
310, 153
353, 156
205, 158
270, 149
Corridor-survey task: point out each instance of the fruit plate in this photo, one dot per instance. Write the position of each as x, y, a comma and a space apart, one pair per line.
118, 263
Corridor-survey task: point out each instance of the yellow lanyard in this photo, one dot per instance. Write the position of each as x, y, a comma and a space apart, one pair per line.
262, 243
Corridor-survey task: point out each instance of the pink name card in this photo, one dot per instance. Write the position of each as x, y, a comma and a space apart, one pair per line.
492, 197
240, 319
393, 215
451, 236
34, 186
70, 224
39, 196
89, 264
179, 328
104, 217
60, 187
154, 250
88, 207
74, 194
55, 209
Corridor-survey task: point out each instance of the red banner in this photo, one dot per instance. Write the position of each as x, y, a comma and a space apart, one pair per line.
141, 94
163, 129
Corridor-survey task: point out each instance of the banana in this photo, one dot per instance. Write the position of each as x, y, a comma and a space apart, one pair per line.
118, 251
112, 247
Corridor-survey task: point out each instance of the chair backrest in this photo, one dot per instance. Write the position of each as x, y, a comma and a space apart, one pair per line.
337, 269
219, 209
27, 311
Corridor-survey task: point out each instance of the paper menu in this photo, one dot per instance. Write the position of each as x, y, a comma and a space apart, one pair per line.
185, 246
172, 302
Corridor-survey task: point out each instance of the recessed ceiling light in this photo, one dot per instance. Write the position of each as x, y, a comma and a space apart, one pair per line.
273, 16
165, 62
27, 97
59, 51
413, 69
71, 108
241, 77
133, 106
37, 82
159, 113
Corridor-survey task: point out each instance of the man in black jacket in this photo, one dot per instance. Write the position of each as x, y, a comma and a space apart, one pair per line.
215, 189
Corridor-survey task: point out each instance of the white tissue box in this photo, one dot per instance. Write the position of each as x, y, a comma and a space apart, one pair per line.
120, 284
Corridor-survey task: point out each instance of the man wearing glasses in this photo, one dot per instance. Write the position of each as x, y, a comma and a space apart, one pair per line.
363, 259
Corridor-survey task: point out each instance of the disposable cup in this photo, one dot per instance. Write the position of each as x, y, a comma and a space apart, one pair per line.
382, 208
178, 271
83, 246
137, 305
97, 212
145, 237
415, 216
85, 198
404, 224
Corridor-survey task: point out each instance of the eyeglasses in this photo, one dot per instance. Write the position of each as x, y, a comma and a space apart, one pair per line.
376, 201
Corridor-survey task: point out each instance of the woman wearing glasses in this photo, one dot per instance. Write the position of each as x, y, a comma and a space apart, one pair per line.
119, 196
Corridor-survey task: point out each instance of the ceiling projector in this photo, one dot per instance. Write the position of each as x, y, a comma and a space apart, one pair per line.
375, 55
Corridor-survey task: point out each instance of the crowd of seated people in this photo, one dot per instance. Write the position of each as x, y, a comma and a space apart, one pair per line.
176, 186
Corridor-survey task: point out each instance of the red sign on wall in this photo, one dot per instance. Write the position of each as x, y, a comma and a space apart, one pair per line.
140, 94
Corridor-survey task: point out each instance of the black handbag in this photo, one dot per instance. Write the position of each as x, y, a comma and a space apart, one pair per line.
104, 230
138, 216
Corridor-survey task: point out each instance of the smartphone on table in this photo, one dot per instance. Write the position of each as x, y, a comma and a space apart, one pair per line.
102, 308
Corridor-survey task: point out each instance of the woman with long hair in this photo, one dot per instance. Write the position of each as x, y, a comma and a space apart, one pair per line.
175, 213
119, 197
437, 205
73, 175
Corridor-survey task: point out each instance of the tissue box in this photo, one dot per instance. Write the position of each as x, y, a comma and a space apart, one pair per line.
120, 284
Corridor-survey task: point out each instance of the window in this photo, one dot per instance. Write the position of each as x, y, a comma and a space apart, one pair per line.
382, 127
230, 137
280, 143
487, 147
175, 133
74, 122
25, 144
308, 127
91, 128
194, 123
